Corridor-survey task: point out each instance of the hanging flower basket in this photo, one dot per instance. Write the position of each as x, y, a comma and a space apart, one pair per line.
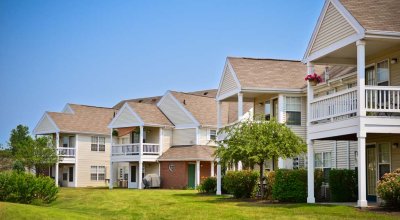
314, 79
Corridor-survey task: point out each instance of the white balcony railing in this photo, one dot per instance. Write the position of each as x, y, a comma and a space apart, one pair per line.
66, 152
382, 98
134, 149
329, 107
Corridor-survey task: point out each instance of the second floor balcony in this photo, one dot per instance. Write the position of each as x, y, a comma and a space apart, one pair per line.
135, 149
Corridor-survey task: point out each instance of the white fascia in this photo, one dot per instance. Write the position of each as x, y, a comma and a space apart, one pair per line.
126, 106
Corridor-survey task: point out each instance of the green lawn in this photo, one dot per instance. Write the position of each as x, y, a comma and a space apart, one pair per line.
170, 204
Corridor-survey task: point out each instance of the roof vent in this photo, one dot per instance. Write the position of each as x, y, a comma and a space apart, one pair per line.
154, 100
184, 101
140, 101
206, 93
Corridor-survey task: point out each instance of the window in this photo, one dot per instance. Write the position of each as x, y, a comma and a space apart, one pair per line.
293, 110
324, 161
97, 173
382, 73
98, 143
267, 110
71, 174
212, 134
384, 159
68, 141
370, 76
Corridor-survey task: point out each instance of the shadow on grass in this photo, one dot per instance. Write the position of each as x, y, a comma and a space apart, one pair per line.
213, 199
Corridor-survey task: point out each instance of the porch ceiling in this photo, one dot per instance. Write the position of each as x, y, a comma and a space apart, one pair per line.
348, 55
347, 137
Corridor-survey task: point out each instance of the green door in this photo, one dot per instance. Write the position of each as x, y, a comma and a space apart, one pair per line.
191, 175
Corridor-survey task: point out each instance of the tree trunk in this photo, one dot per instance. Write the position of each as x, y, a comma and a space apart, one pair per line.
262, 190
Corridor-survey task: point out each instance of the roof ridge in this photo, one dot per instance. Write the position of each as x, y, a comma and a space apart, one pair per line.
186, 93
90, 106
261, 58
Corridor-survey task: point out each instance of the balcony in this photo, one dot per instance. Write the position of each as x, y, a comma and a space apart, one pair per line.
133, 152
66, 152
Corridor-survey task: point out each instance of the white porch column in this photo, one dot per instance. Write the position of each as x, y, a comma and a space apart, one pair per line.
197, 174
160, 141
240, 105
362, 173
76, 161
361, 77
57, 146
218, 177
140, 174
212, 169
110, 184
141, 142
310, 143
310, 172
281, 111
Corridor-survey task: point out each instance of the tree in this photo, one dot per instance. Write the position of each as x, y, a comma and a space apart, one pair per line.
254, 142
38, 153
19, 135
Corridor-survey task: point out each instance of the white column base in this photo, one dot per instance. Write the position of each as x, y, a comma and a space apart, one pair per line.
197, 174
140, 175
362, 203
310, 199
219, 179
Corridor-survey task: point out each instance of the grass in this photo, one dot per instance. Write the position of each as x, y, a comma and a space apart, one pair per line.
84, 203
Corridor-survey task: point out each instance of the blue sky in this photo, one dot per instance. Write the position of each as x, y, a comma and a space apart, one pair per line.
100, 52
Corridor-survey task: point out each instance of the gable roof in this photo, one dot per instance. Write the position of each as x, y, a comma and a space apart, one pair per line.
382, 15
203, 108
270, 73
189, 153
85, 119
150, 114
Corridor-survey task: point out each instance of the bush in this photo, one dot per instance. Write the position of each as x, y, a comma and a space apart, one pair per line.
18, 166
241, 184
270, 181
290, 185
21, 187
319, 178
389, 189
343, 185
209, 185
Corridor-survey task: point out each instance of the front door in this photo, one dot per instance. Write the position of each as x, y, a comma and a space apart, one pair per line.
371, 172
132, 183
191, 176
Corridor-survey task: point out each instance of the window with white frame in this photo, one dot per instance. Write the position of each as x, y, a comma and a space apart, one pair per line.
98, 143
97, 173
267, 110
384, 159
382, 73
212, 134
323, 161
293, 110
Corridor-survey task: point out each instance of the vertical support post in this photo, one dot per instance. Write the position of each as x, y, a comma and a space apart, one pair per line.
141, 142
281, 111
361, 78
362, 172
76, 161
140, 174
219, 192
310, 143
57, 146
310, 172
212, 168
160, 141
240, 105
111, 183
197, 174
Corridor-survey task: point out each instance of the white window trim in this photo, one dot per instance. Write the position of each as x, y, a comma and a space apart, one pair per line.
209, 134
97, 173
323, 159
98, 143
301, 107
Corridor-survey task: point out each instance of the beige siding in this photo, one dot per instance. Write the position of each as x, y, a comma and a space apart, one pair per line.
167, 139
203, 139
45, 125
334, 27
394, 68
228, 83
174, 113
150, 168
152, 135
88, 158
125, 118
184, 136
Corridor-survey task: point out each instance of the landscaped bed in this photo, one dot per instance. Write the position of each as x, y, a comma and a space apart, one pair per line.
86, 203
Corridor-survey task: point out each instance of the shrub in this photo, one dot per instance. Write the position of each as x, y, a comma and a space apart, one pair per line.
18, 166
318, 179
343, 185
290, 185
241, 184
21, 187
270, 181
389, 189
209, 185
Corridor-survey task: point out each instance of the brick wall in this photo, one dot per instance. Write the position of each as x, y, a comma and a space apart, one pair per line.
178, 179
